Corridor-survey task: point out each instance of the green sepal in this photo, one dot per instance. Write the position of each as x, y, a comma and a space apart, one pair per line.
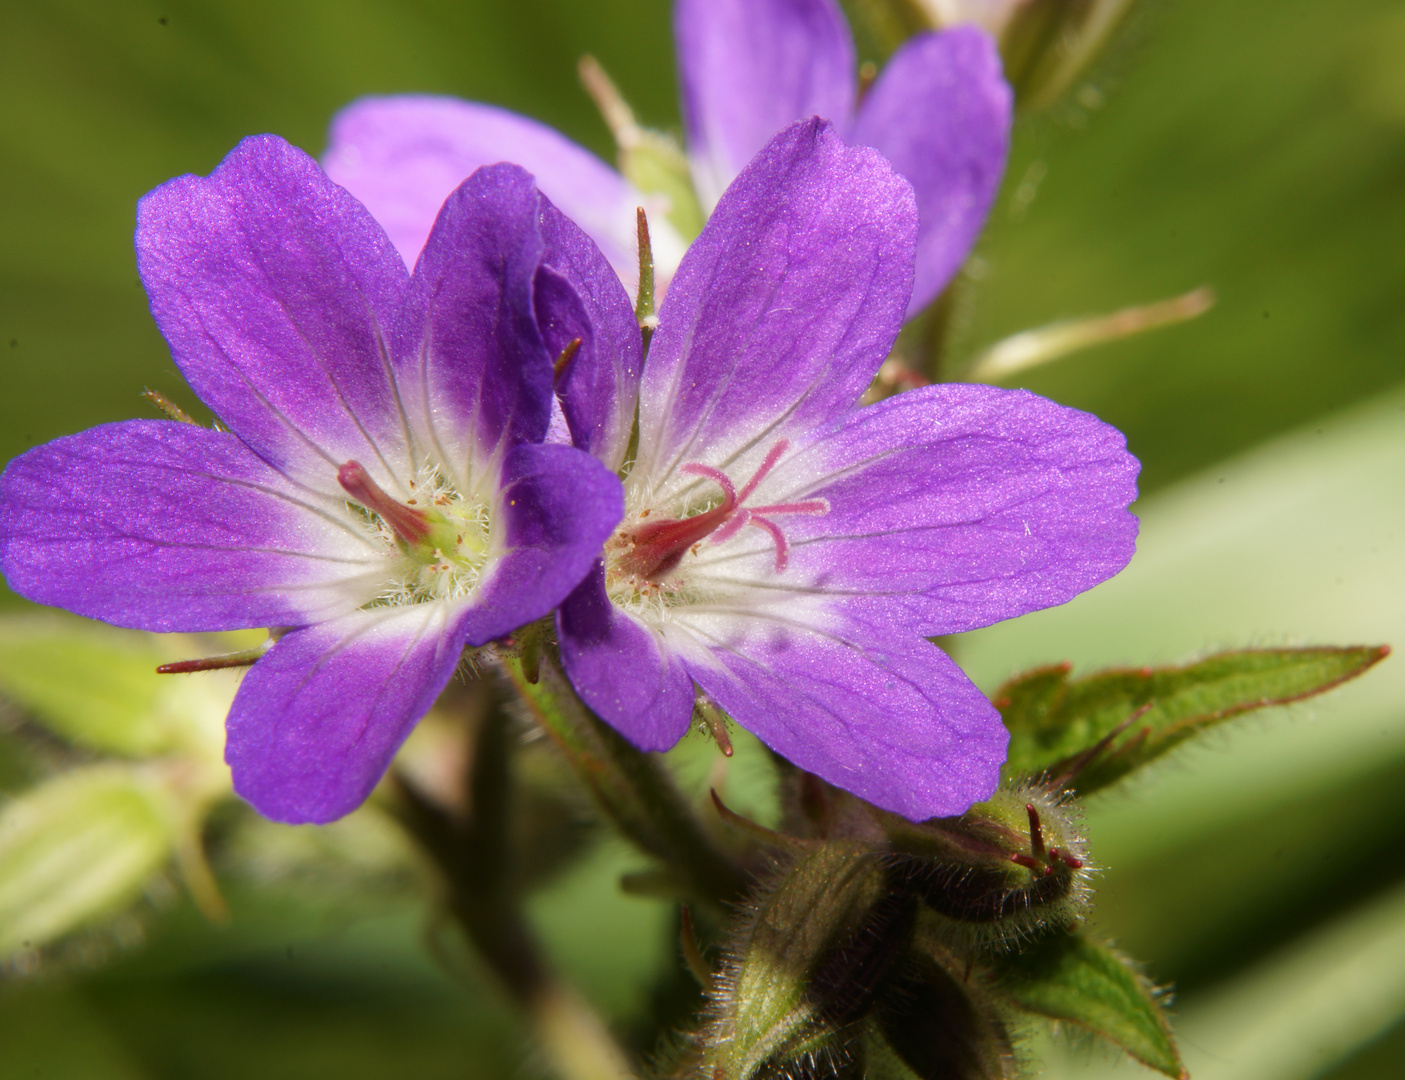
930, 1024
1067, 977
1053, 719
796, 977
80, 847
656, 165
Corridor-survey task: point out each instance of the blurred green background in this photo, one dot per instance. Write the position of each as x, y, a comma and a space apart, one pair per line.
1257, 147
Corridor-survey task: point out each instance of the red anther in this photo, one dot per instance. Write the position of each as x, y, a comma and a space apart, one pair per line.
1068, 860
1036, 831
1027, 861
410, 525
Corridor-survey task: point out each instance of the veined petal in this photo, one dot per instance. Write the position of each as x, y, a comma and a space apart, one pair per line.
560, 505
403, 155
318, 718
951, 507
625, 671
886, 716
275, 288
941, 113
781, 311
170, 527
578, 295
473, 371
750, 68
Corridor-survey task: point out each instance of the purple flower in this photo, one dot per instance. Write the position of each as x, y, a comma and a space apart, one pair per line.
940, 112
381, 493
789, 552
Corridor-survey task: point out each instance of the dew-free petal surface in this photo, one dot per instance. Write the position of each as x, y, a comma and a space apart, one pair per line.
275, 290
782, 309
748, 69
622, 669
318, 718
171, 527
886, 716
941, 113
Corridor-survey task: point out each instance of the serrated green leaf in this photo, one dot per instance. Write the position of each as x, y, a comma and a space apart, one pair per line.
77, 848
1052, 719
1067, 977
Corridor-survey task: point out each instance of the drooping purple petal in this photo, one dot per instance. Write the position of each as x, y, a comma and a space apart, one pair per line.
783, 308
474, 375
579, 296
886, 716
625, 672
402, 156
317, 720
274, 288
750, 68
956, 506
560, 505
941, 113
171, 527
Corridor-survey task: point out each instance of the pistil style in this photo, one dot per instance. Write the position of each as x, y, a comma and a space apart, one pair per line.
657, 547
410, 525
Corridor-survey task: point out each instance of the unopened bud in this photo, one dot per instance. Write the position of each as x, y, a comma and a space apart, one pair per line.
1007, 868
811, 954
931, 1025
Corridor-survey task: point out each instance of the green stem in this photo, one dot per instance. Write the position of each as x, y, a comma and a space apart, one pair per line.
633, 789
479, 867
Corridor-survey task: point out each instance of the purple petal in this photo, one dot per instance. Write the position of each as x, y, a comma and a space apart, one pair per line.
783, 308
941, 113
402, 156
273, 287
873, 711
579, 296
625, 672
750, 68
560, 506
171, 527
473, 371
956, 506
317, 720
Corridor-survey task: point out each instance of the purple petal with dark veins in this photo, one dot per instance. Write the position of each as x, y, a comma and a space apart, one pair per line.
274, 288
318, 718
956, 506
748, 69
402, 156
625, 672
783, 308
559, 506
171, 527
886, 716
941, 113
579, 296
473, 371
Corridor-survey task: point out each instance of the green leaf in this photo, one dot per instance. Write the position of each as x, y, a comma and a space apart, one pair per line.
1067, 977
77, 848
1052, 719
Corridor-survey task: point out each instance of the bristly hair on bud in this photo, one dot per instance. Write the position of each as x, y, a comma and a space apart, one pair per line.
1006, 871
808, 952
